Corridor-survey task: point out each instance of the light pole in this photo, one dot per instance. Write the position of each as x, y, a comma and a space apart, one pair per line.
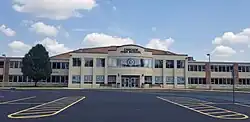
209, 70
233, 75
4, 69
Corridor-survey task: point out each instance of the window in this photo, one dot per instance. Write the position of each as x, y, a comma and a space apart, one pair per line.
20, 78
15, 78
100, 78
11, 64
169, 63
88, 62
10, 78
88, 79
100, 62
76, 79
58, 65
1, 78
148, 79
112, 79
196, 80
158, 80
158, 63
180, 63
65, 65
76, 62
180, 80
54, 65
169, 80
1, 64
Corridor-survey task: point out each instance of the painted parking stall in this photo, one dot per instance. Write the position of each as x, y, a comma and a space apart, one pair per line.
47, 109
204, 107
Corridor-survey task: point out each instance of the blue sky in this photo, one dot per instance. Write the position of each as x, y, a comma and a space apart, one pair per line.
189, 27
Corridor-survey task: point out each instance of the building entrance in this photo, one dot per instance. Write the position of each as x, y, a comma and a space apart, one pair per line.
130, 81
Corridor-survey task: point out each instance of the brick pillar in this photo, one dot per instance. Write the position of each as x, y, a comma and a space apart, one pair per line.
236, 73
207, 73
6, 70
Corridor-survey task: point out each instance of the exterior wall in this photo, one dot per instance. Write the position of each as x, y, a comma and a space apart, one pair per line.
120, 71
242, 79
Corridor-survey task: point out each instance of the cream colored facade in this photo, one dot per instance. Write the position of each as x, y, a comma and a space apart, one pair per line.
128, 71
130, 66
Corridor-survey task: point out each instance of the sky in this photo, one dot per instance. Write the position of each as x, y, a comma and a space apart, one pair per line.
194, 27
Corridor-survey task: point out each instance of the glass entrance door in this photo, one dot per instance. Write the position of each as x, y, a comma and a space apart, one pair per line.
130, 82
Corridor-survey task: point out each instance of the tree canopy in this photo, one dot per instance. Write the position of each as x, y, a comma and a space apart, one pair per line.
36, 64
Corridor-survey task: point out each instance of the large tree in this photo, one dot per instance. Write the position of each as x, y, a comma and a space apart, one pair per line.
36, 64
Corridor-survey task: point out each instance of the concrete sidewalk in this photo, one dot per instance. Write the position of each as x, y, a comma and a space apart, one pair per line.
139, 89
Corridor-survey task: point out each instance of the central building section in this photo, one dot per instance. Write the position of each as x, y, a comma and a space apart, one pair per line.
128, 66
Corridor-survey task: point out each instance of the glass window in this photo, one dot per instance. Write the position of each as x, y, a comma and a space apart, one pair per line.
148, 79
180, 80
247, 69
158, 63
180, 63
169, 80
1, 64
76, 79
15, 78
58, 65
16, 64
158, 80
54, 65
88, 62
100, 78
10, 78
100, 62
20, 78
169, 63
88, 78
76, 61
111, 79
1, 78
11, 64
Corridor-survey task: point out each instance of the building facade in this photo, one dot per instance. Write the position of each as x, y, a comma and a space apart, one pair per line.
130, 66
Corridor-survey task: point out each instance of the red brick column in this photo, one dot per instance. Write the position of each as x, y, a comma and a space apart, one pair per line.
207, 73
236, 73
6, 70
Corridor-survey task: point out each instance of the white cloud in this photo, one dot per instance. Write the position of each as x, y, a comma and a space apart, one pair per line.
7, 31
153, 29
100, 39
43, 29
27, 22
160, 44
223, 51
19, 46
231, 38
53, 9
114, 8
242, 51
53, 46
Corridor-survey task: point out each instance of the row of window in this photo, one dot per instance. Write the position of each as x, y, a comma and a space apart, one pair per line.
221, 81
218, 68
88, 79
53, 79
54, 65
88, 62
60, 65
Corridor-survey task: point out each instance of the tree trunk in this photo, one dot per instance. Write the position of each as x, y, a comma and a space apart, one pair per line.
36, 83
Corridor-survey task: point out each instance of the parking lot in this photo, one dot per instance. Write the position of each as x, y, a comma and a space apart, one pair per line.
122, 106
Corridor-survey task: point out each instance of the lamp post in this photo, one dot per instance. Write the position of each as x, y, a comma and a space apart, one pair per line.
4, 55
233, 76
209, 70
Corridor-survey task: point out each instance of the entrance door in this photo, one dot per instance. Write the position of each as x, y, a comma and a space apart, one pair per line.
130, 81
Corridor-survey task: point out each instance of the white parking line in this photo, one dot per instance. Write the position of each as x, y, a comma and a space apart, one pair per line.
242, 105
21, 99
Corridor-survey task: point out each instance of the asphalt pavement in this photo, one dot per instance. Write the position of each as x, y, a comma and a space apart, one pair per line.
121, 106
